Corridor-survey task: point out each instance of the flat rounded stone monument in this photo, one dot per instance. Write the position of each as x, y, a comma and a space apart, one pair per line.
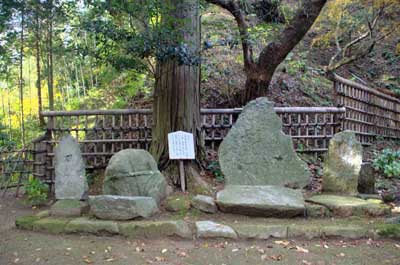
70, 179
134, 172
257, 152
342, 164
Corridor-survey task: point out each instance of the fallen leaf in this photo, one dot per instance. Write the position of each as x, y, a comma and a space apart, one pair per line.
88, 261
276, 257
160, 259
302, 250
164, 251
138, 249
282, 243
182, 254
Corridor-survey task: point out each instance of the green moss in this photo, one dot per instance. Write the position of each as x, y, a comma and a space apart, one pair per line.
389, 230
51, 225
43, 214
155, 229
178, 203
91, 226
26, 222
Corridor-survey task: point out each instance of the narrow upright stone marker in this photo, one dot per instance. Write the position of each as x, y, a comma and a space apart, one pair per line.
70, 179
342, 164
257, 152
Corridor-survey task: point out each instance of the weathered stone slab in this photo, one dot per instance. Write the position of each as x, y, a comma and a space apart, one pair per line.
204, 204
269, 201
68, 208
90, 226
304, 231
342, 164
366, 180
352, 232
111, 207
345, 206
51, 225
26, 222
209, 229
134, 172
317, 210
70, 179
261, 231
257, 152
156, 229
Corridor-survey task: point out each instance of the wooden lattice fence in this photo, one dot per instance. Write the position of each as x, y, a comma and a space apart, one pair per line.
102, 133
369, 113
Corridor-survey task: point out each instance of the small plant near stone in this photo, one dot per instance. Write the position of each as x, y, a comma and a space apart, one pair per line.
36, 192
215, 169
388, 163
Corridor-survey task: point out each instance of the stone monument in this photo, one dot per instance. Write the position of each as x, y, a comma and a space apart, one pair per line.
342, 164
70, 179
257, 152
134, 172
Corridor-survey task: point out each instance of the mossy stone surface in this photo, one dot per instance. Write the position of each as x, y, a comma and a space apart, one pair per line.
352, 232
26, 222
155, 229
317, 210
68, 208
177, 203
304, 231
51, 225
261, 231
210, 229
91, 226
345, 206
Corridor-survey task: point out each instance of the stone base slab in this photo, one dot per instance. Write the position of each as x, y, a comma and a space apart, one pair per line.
190, 229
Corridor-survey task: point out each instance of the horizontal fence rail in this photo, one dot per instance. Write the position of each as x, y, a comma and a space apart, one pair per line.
369, 112
102, 133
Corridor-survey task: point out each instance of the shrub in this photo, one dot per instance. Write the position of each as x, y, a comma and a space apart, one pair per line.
388, 162
36, 192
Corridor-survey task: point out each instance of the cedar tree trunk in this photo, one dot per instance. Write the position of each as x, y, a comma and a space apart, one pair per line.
176, 105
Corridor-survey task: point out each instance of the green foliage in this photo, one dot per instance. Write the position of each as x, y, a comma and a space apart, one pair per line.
215, 169
36, 191
388, 162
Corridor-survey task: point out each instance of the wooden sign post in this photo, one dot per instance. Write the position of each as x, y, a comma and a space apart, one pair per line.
181, 147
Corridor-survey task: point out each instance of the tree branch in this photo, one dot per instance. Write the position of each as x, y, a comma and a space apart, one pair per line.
234, 8
275, 52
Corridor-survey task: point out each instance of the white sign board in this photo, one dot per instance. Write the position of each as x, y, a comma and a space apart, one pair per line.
181, 145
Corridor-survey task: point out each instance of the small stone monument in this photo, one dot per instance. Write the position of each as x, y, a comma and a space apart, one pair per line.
342, 164
257, 152
134, 172
70, 179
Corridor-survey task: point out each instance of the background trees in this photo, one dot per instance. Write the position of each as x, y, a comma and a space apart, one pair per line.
119, 54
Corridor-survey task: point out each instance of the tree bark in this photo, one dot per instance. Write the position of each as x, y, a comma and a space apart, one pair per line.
21, 78
176, 104
50, 78
38, 70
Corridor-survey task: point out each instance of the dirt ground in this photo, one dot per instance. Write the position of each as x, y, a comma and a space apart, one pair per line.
23, 247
